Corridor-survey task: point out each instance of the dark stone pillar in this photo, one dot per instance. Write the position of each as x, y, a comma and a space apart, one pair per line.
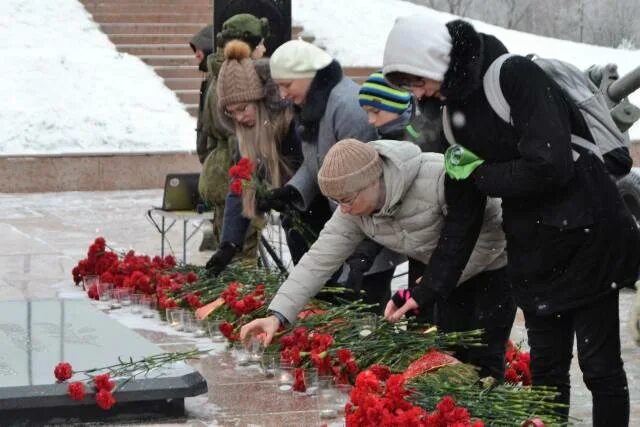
278, 12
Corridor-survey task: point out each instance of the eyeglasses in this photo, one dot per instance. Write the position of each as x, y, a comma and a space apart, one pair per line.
237, 112
346, 203
409, 85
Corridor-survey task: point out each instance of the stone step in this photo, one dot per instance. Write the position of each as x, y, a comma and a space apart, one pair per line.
180, 71
192, 109
93, 3
360, 71
151, 28
155, 49
154, 60
169, 17
150, 38
188, 96
203, 9
183, 83
92, 172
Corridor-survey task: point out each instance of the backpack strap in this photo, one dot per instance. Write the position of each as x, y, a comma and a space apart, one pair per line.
446, 126
499, 104
493, 91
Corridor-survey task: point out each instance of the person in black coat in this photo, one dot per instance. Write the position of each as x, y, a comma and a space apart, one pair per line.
571, 242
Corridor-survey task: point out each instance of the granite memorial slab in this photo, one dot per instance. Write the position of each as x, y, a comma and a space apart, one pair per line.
36, 335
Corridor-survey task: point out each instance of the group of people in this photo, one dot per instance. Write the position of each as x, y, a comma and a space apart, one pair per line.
514, 214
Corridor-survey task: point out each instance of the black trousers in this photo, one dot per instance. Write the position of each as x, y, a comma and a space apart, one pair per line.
597, 331
483, 302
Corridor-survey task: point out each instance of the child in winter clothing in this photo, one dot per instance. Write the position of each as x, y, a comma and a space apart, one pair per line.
572, 243
394, 194
391, 111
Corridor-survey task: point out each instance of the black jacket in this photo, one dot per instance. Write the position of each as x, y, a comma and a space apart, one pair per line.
570, 238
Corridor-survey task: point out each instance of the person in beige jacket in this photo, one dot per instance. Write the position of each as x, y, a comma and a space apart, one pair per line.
394, 194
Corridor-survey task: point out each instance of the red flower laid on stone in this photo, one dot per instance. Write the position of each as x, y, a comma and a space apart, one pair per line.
76, 390
103, 382
105, 399
63, 371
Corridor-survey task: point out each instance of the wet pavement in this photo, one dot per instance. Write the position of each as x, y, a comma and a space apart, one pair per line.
44, 236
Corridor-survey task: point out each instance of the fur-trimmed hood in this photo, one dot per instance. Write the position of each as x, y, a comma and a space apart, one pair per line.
471, 54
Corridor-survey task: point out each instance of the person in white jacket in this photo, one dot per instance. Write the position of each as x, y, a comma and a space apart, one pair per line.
394, 194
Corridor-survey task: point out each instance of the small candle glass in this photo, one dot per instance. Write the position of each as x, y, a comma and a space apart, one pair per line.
90, 280
137, 306
342, 396
269, 363
255, 349
149, 306
284, 377
366, 324
326, 398
240, 354
214, 331
175, 317
105, 291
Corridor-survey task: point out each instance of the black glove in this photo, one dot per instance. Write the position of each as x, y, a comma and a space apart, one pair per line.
278, 199
358, 265
221, 258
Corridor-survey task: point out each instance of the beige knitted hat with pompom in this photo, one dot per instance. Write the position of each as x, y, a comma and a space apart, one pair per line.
238, 80
349, 166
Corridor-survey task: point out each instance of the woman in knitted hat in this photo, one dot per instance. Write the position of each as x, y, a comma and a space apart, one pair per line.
216, 139
263, 123
327, 110
395, 195
572, 243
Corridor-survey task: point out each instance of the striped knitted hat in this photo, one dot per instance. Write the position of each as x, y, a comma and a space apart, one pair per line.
376, 92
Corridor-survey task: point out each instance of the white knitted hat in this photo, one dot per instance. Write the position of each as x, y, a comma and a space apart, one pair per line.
297, 59
419, 45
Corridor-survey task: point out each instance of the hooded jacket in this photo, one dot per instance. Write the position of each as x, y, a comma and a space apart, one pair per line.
410, 222
570, 237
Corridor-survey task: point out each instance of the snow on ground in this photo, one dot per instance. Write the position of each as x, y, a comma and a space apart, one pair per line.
355, 32
67, 90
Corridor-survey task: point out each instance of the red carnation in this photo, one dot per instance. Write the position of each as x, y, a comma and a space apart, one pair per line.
63, 371
76, 390
236, 186
105, 399
192, 277
103, 382
226, 329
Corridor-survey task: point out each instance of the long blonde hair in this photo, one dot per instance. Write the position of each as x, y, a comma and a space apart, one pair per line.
261, 145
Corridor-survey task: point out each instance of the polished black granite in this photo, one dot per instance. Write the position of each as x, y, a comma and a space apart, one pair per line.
36, 335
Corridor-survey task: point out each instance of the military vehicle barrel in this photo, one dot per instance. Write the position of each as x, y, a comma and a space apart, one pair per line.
624, 86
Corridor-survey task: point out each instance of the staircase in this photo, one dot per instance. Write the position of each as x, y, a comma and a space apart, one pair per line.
158, 32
